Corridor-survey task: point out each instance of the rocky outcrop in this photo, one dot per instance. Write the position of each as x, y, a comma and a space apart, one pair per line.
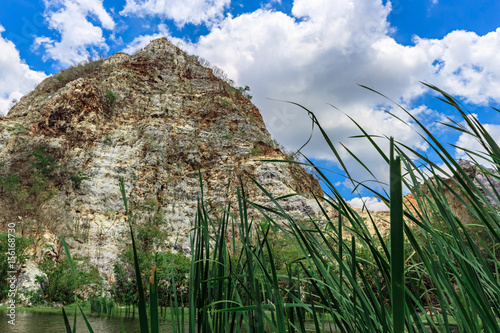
156, 119
30, 282
486, 181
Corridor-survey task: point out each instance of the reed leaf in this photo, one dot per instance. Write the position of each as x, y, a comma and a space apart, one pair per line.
397, 243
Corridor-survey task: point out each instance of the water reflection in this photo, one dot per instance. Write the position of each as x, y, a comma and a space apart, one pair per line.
36, 322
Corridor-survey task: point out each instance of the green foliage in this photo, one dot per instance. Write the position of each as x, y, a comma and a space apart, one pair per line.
227, 134
108, 140
123, 289
78, 178
61, 288
27, 184
18, 129
44, 163
147, 240
74, 274
244, 91
10, 184
101, 305
173, 275
72, 73
110, 98
224, 102
37, 297
256, 151
436, 273
20, 254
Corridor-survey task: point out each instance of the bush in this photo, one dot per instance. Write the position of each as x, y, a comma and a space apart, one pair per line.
110, 98
123, 289
173, 267
29, 186
101, 305
78, 179
61, 288
244, 91
21, 255
44, 163
256, 151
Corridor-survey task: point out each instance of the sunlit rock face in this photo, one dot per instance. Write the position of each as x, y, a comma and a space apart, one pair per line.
157, 119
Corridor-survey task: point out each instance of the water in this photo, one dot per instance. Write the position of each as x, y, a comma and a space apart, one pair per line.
40, 322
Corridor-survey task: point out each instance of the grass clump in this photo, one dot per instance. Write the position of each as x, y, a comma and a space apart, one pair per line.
256, 151
18, 129
224, 102
78, 178
432, 272
419, 278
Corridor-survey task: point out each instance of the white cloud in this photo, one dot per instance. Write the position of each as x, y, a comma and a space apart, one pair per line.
180, 11
324, 50
316, 60
465, 64
80, 39
16, 78
370, 203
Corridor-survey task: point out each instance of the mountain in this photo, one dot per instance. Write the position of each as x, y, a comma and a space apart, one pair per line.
156, 118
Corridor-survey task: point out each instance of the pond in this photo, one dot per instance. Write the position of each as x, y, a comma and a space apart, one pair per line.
41, 322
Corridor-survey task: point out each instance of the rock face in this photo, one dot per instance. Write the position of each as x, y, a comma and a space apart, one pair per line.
485, 179
30, 281
154, 118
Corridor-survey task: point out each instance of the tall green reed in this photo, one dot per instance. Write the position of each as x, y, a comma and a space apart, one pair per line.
435, 271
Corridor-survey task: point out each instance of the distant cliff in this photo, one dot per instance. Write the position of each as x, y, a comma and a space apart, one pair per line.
154, 118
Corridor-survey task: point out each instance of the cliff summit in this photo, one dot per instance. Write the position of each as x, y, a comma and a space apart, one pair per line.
156, 118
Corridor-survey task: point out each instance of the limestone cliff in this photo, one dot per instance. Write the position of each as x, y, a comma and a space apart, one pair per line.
154, 118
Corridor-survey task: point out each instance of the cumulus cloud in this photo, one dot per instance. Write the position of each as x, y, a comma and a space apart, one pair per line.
80, 38
318, 55
370, 203
16, 78
465, 64
180, 11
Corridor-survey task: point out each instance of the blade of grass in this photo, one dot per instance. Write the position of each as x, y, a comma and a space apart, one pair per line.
73, 273
397, 243
143, 317
153, 302
66, 322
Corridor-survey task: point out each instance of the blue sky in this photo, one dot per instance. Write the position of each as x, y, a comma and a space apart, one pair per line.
313, 52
